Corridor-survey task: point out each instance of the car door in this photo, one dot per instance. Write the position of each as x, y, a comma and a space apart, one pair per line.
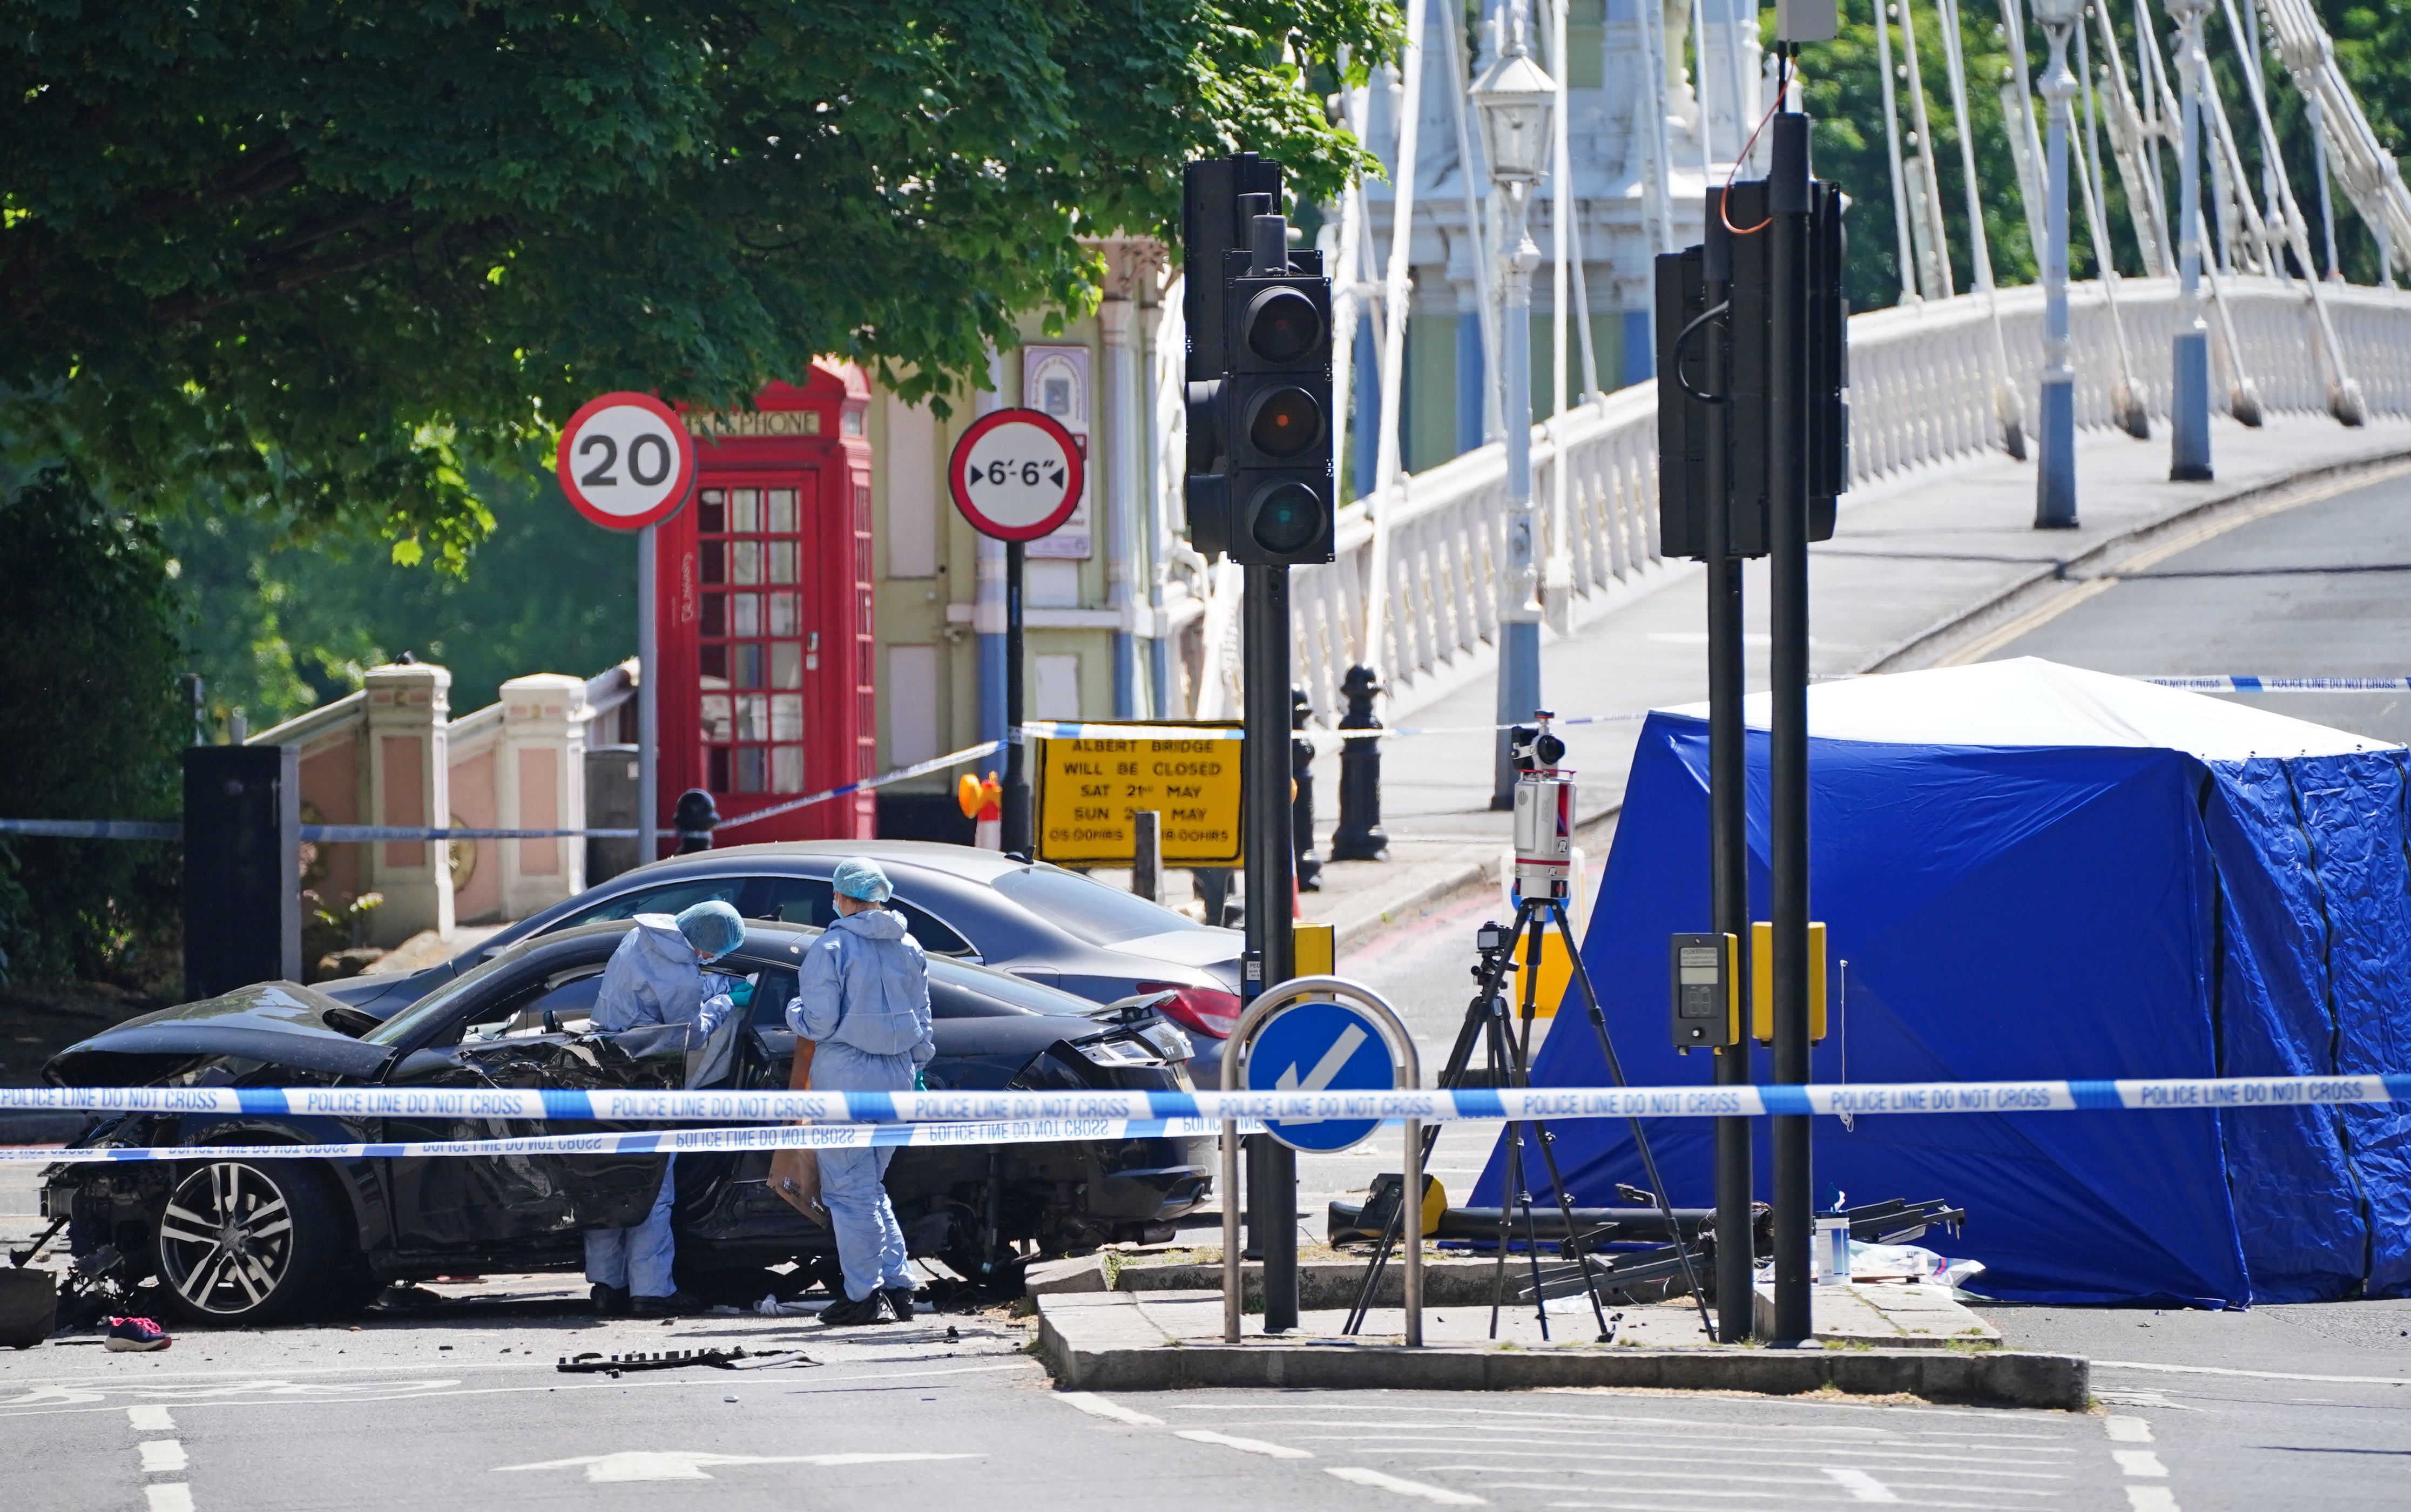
527, 1028
477, 1202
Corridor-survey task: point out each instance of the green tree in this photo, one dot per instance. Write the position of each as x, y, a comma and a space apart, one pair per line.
325, 259
90, 725
1843, 86
278, 628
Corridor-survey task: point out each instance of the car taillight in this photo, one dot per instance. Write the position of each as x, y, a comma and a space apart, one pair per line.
1206, 1010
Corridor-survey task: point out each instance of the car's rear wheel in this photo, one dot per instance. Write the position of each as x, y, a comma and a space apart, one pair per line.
244, 1241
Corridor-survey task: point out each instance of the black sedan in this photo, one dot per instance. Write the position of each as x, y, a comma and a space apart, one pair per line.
251, 1240
1039, 922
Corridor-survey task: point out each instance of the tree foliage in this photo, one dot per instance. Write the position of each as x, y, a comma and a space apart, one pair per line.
278, 628
91, 727
1843, 90
326, 257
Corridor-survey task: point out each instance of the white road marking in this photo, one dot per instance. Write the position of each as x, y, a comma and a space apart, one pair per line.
149, 1419
2258, 1376
1250, 1446
1096, 1406
177, 1497
2157, 1400
392, 1391
2138, 1463
2127, 1429
161, 1456
2150, 1498
1862, 1485
1887, 1459
1381, 1482
678, 1464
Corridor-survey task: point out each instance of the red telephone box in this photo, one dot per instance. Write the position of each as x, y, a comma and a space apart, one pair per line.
763, 597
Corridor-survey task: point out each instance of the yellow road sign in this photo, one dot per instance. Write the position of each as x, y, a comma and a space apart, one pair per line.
1089, 787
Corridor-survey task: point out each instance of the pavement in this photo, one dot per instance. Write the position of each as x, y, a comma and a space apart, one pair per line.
1939, 564
1158, 1341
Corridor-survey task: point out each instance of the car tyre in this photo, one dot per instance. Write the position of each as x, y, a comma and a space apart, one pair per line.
250, 1242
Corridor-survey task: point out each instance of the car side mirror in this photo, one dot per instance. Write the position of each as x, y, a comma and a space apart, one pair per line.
345, 1019
422, 1064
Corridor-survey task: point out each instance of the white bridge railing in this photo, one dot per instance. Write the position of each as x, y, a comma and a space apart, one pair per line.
1922, 383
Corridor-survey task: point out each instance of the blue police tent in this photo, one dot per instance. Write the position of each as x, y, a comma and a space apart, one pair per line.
2034, 871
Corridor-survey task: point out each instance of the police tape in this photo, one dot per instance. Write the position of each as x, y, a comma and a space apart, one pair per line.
918, 768
361, 833
666, 1141
1485, 1103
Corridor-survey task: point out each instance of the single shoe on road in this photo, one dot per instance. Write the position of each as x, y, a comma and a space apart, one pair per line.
847, 1312
135, 1335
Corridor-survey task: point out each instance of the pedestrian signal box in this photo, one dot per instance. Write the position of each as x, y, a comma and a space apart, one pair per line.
1761, 983
764, 598
1705, 971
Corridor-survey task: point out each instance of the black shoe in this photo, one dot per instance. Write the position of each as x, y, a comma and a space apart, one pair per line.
678, 1304
848, 1314
609, 1302
900, 1302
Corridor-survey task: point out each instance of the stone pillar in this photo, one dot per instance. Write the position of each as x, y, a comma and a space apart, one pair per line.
408, 783
540, 784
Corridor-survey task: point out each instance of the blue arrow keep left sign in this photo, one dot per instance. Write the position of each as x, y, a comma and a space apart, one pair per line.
1320, 1047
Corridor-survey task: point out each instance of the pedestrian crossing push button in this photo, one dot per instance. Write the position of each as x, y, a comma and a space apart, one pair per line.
1706, 980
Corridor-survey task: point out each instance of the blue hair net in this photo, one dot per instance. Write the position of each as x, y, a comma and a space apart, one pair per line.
712, 928
859, 877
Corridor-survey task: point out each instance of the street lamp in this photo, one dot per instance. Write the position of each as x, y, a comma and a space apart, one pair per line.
2189, 356
2056, 482
1517, 99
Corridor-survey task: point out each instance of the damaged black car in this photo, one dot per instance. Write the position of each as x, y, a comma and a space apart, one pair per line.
252, 1240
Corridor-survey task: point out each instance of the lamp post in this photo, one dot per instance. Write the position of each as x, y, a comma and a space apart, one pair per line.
2189, 354
2056, 482
1516, 100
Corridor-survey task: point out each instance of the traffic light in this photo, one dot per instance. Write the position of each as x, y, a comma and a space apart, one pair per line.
1685, 396
1259, 395
1212, 223
1277, 400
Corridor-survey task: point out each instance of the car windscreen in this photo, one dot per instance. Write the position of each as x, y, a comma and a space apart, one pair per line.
439, 1006
1089, 910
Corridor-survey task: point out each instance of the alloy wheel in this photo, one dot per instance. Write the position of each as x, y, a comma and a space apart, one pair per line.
226, 1240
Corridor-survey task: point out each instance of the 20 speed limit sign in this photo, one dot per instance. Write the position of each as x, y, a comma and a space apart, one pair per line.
1015, 475
625, 460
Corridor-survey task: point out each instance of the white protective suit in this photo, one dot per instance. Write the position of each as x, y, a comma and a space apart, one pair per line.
655, 977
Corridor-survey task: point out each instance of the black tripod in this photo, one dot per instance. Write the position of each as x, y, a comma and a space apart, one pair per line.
1508, 1051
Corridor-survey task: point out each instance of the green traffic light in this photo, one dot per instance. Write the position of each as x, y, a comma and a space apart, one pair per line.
1287, 519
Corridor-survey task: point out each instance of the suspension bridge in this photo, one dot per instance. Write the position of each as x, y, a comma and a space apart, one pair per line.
1654, 104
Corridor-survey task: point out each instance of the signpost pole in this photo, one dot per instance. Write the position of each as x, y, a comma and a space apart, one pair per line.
1787, 467
626, 461
1271, 945
649, 687
1017, 768
1728, 805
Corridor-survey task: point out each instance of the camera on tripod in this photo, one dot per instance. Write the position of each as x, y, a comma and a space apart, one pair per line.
1544, 811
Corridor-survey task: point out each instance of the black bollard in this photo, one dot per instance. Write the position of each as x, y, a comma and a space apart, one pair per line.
1359, 837
694, 819
1301, 794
